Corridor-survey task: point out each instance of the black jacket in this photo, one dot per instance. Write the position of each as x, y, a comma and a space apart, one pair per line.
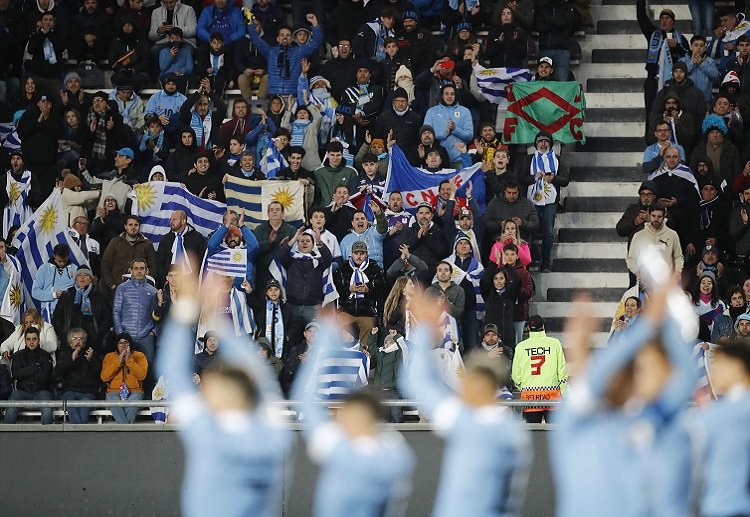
81, 375
554, 20
498, 307
513, 50
339, 222
432, 248
194, 243
372, 302
32, 370
405, 128
304, 276
67, 316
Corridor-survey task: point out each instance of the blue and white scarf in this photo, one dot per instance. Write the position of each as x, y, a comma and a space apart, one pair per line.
242, 316
202, 129
298, 132
358, 276
275, 327
541, 193
470, 4
18, 210
49, 52
179, 254
659, 54
474, 274
82, 299
330, 294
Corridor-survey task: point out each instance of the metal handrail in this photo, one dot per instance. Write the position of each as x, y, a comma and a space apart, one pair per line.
158, 403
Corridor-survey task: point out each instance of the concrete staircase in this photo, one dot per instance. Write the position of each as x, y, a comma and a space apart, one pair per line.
605, 173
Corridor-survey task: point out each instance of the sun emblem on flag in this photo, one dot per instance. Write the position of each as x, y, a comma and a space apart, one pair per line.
15, 295
145, 194
48, 221
487, 72
236, 256
15, 192
284, 197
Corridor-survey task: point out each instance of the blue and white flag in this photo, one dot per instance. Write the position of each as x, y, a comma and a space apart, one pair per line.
704, 388
12, 299
493, 81
420, 186
682, 171
228, 262
243, 322
254, 197
6, 128
154, 202
665, 65
272, 162
742, 27
12, 142
330, 294
340, 372
36, 239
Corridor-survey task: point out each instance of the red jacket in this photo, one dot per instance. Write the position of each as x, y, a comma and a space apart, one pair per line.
521, 310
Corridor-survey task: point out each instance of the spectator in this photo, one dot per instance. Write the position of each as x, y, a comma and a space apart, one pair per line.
708, 304
205, 122
32, 373
86, 308
177, 59
720, 49
364, 96
690, 97
182, 159
273, 319
508, 44
52, 279
124, 371
426, 241
221, 17
655, 235
130, 244
729, 112
467, 273
250, 66
171, 14
340, 213
401, 119
267, 356
74, 140
719, 149
678, 46
130, 106
17, 340
678, 191
510, 234
554, 20
270, 234
539, 370
235, 237
207, 356
89, 32
305, 266
133, 306
452, 123
76, 202
446, 293
167, 295
109, 221
341, 68
701, 68
333, 172
74, 95
317, 222
500, 287
295, 171
270, 16
547, 174
525, 292
78, 370
738, 226
739, 65
46, 46
167, 102
181, 245
369, 43
398, 219
39, 129
724, 324
283, 60
204, 182
372, 236
15, 196
297, 356
492, 343
216, 62
682, 122
636, 215
632, 310
711, 224
416, 44
361, 286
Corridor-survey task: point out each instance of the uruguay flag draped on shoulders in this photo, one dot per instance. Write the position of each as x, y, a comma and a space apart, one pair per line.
154, 202
254, 197
278, 272
420, 186
36, 239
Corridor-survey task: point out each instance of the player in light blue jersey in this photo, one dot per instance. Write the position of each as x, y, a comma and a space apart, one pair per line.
365, 471
487, 451
234, 444
726, 428
621, 446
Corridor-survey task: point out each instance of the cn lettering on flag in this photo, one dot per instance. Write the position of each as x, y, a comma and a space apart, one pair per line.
555, 107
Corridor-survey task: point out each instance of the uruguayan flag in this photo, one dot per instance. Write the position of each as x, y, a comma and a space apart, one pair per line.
254, 197
6, 128
341, 372
272, 162
12, 305
36, 239
154, 203
228, 262
330, 294
492, 81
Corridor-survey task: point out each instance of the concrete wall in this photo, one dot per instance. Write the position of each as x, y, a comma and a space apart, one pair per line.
105, 470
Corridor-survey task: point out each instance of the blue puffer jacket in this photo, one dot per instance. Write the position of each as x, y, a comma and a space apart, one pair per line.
276, 84
227, 21
438, 117
134, 303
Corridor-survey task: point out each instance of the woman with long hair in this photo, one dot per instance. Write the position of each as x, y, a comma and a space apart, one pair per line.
509, 234
396, 307
17, 341
508, 44
72, 144
109, 221
344, 129
708, 303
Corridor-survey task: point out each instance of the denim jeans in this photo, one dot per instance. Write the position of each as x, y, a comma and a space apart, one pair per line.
547, 215
702, 14
518, 326
11, 414
125, 415
469, 330
300, 316
147, 345
560, 62
78, 415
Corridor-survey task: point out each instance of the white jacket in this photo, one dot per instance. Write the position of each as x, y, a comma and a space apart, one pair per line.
184, 18
16, 341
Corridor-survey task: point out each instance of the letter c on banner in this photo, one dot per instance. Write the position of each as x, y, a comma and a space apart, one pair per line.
575, 128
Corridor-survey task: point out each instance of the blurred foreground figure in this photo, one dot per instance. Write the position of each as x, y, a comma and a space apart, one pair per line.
487, 452
365, 471
234, 443
621, 446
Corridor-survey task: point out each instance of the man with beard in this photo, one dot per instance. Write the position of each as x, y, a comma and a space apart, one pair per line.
402, 120
418, 154
236, 237
398, 219
372, 235
415, 43
341, 69
655, 235
177, 246
452, 123
166, 102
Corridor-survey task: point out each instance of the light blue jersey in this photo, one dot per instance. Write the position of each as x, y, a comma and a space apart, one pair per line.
487, 451
360, 477
234, 460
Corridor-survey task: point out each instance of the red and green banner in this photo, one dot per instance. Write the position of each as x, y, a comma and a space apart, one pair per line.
555, 107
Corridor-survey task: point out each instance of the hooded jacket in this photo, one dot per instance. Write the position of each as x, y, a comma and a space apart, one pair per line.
691, 99
664, 240
463, 131
626, 226
183, 158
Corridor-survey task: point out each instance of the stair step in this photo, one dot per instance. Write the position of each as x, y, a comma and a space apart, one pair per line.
602, 159
558, 324
625, 10
561, 309
606, 294
613, 144
598, 265
596, 189
612, 71
607, 85
599, 204
586, 281
607, 174
614, 129
605, 100
631, 26
588, 235
587, 219
589, 250
594, 115
618, 55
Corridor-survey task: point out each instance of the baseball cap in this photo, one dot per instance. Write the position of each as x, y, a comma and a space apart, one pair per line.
359, 246
536, 323
127, 152
490, 327
312, 325
545, 59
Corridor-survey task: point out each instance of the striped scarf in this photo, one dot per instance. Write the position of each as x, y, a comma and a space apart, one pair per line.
17, 210
99, 149
358, 276
474, 274
275, 327
541, 193
202, 129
